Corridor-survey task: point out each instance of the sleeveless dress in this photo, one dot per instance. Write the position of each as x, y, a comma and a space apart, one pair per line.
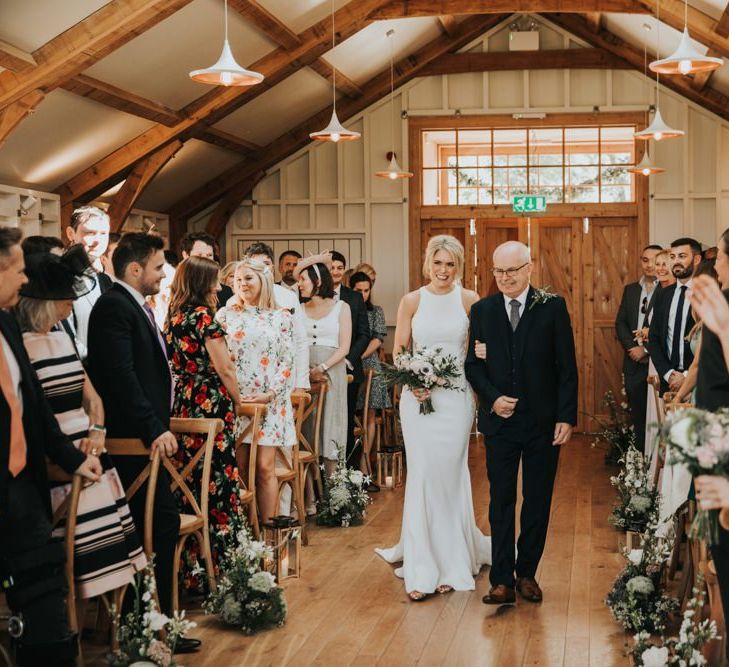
440, 544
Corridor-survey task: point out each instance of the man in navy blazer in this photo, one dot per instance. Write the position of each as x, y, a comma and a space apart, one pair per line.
527, 391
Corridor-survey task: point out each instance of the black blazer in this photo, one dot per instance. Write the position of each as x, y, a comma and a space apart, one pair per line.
712, 384
360, 330
128, 368
43, 436
223, 295
535, 364
626, 321
658, 333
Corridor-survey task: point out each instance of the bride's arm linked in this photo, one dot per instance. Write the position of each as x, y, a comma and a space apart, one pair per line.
404, 331
474, 366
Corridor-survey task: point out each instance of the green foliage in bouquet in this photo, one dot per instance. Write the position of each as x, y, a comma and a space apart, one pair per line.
684, 650
138, 632
345, 499
636, 495
636, 599
247, 597
617, 434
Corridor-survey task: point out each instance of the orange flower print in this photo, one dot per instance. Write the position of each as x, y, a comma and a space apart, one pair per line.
286, 373
239, 334
265, 361
212, 488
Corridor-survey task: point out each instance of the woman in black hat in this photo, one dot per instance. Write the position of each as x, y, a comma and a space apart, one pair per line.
108, 550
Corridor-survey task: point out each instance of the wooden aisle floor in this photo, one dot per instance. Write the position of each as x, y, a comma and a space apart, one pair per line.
349, 609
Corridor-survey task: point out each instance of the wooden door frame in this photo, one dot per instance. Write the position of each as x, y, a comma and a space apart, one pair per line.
417, 212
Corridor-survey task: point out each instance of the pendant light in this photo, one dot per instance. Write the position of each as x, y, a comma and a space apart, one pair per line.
685, 59
335, 131
226, 72
658, 129
393, 171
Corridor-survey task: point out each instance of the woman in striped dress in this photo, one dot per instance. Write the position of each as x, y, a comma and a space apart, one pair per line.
107, 548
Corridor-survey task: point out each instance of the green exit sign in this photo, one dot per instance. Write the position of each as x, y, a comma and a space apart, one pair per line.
529, 204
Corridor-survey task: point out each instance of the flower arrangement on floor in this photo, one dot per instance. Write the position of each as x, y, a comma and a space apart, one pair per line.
138, 631
684, 650
425, 368
636, 599
699, 440
345, 499
636, 496
246, 595
618, 433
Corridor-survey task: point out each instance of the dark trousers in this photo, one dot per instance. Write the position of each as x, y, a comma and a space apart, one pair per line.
354, 451
636, 388
720, 554
165, 528
519, 440
37, 569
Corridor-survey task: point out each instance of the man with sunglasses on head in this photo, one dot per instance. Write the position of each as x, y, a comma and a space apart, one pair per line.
633, 317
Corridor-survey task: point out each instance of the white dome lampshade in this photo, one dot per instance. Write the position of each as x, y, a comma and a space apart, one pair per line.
394, 171
646, 167
685, 60
658, 130
335, 131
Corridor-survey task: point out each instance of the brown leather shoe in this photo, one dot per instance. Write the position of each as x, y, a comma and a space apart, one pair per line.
529, 589
500, 594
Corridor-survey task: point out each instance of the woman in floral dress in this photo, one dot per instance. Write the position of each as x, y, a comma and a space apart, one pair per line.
261, 338
205, 386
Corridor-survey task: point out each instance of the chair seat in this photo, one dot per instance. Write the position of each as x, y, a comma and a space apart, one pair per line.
285, 474
189, 523
246, 497
306, 457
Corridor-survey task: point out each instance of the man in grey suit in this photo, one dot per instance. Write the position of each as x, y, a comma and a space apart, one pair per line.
634, 316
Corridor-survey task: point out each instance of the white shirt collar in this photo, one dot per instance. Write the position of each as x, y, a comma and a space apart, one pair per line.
689, 283
137, 296
643, 282
521, 298
338, 291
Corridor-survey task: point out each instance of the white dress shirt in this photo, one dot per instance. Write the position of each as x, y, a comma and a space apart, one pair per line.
287, 298
522, 303
134, 292
13, 367
646, 290
672, 317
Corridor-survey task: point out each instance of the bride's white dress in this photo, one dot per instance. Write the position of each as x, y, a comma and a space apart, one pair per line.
440, 543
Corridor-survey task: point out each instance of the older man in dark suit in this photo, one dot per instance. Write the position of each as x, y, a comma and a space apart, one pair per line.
29, 433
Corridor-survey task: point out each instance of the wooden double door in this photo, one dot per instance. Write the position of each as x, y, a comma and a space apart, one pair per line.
587, 261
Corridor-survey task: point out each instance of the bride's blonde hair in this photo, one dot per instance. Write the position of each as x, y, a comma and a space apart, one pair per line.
452, 246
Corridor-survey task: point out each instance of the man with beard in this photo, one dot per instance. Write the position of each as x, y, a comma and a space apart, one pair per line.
286, 264
672, 319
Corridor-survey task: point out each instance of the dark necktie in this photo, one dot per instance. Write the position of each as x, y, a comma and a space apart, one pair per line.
678, 331
514, 315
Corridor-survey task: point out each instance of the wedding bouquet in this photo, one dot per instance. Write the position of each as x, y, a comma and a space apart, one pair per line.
618, 434
699, 440
345, 498
425, 368
684, 650
636, 496
247, 597
138, 634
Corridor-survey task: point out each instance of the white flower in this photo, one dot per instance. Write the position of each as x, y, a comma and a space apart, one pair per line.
635, 556
147, 596
356, 477
697, 658
155, 620
682, 433
262, 582
655, 657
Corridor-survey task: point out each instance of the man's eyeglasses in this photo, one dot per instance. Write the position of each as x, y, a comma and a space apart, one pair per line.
509, 273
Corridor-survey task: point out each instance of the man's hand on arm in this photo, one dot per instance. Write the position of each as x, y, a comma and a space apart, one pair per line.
90, 469
166, 443
637, 353
675, 380
504, 406
562, 433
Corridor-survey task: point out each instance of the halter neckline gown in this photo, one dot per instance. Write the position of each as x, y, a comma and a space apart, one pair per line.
440, 544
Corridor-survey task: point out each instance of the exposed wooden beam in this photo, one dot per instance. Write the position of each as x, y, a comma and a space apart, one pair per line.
219, 102
228, 204
79, 47
708, 98
448, 24
15, 59
226, 140
344, 84
458, 63
702, 78
594, 20
407, 8
375, 89
722, 25
12, 115
137, 181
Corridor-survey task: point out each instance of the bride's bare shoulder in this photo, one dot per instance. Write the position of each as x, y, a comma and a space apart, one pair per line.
409, 303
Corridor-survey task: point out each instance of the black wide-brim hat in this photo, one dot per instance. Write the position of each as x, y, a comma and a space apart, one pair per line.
54, 278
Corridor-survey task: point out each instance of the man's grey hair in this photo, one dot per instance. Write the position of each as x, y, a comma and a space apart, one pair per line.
523, 251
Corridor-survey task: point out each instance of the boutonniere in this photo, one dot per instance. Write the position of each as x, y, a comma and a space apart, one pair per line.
541, 295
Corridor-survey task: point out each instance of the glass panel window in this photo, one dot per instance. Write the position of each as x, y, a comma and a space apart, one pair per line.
485, 196
434, 143
617, 193
582, 195
615, 175
467, 196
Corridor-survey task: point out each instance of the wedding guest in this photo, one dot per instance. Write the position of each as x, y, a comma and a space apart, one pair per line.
160, 302
329, 332
198, 244
672, 320
171, 258
379, 396
227, 275
364, 267
205, 387
663, 269
262, 341
30, 433
631, 319
89, 227
286, 264
360, 339
114, 238
347, 277
34, 244
108, 548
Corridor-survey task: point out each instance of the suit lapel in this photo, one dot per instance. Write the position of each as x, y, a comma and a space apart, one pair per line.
140, 312
525, 323
16, 345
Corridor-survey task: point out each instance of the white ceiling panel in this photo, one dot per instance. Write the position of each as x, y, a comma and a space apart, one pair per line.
29, 24
64, 135
299, 15
279, 109
194, 164
156, 65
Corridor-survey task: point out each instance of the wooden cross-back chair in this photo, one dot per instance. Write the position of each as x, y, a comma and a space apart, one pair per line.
310, 448
361, 429
655, 384
288, 471
246, 454
194, 522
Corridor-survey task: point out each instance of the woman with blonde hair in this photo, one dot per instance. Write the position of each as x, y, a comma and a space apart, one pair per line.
262, 341
205, 387
227, 274
440, 546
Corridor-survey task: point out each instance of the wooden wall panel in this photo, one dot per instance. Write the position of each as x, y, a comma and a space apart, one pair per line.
703, 150
490, 234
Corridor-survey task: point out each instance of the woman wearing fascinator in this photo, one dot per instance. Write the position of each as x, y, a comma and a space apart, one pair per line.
108, 549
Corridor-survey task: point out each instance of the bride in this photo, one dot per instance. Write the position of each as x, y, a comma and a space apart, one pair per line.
440, 546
